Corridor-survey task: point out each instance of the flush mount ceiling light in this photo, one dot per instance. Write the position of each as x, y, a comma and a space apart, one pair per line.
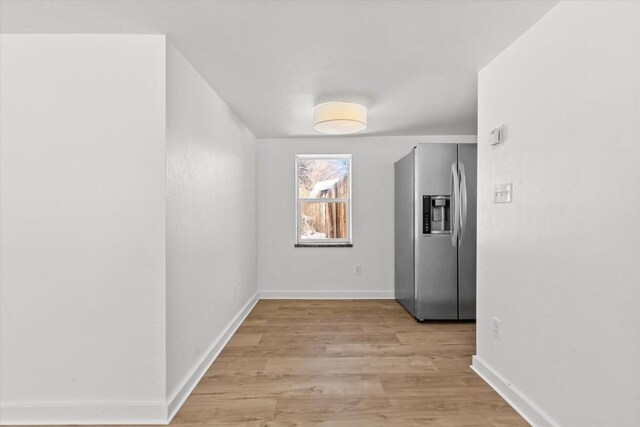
339, 118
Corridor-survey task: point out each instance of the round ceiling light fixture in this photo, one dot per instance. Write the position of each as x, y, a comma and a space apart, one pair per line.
339, 118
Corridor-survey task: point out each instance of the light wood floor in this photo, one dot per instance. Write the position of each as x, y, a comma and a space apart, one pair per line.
358, 363
345, 363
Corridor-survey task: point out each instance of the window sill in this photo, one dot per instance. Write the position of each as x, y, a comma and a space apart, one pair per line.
323, 245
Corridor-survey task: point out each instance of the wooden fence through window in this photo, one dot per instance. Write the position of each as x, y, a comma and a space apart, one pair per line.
335, 214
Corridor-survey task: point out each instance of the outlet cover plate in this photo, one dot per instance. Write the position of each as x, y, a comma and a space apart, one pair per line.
495, 327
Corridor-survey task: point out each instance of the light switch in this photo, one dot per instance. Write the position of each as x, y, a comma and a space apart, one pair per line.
502, 193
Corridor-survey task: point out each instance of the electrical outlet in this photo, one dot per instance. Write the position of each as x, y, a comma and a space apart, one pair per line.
502, 193
358, 270
495, 326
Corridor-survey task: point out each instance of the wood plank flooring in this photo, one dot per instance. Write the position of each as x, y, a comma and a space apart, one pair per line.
345, 363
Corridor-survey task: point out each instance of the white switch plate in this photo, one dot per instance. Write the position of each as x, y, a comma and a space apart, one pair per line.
502, 193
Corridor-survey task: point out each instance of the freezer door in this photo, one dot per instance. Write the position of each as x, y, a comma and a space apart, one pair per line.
436, 256
404, 234
467, 164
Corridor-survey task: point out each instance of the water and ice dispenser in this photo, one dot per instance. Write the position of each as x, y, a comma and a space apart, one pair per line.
436, 214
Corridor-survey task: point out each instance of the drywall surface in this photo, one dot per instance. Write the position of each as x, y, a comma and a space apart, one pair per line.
286, 271
211, 226
559, 266
82, 221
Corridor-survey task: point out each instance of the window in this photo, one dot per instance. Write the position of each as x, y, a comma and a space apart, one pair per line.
323, 200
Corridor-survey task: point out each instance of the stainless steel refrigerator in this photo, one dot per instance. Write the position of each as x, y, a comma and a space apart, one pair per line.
435, 231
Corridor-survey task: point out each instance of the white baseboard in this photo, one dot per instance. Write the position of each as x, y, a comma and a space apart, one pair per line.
83, 413
327, 295
180, 396
530, 412
123, 412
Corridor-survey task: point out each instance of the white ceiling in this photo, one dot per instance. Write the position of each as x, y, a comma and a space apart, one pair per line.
414, 63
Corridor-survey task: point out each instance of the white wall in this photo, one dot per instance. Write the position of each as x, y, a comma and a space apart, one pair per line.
286, 271
82, 223
211, 222
91, 188
559, 267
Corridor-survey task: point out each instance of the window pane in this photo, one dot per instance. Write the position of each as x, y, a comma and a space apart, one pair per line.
323, 178
323, 220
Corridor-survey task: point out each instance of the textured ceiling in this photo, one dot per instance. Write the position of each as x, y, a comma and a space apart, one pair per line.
414, 63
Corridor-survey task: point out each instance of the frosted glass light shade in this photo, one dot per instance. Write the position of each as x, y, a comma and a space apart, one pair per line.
339, 118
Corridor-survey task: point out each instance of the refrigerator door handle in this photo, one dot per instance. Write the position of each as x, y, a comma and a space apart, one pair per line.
455, 202
463, 201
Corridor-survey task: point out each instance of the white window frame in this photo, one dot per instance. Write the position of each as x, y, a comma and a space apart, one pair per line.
323, 242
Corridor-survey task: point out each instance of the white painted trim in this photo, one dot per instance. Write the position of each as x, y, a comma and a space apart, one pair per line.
327, 294
83, 413
180, 396
514, 397
123, 412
